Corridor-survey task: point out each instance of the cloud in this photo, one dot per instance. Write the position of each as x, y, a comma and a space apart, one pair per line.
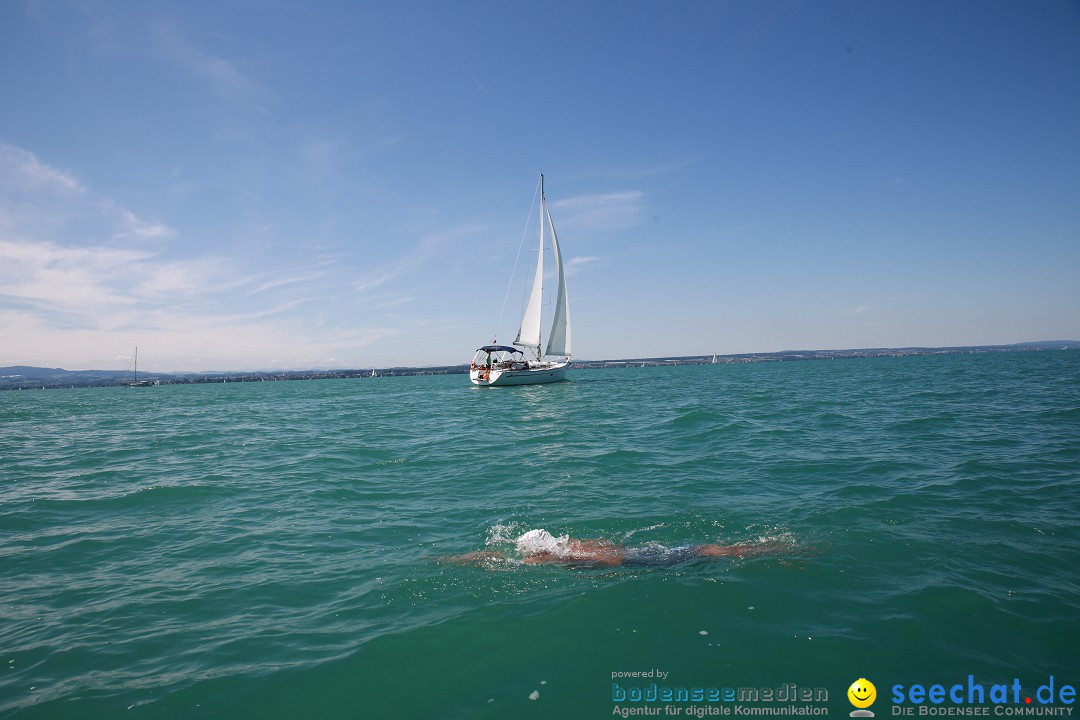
76, 306
574, 265
223, 77
652, 170
44, 202
169, 340
80, 281
21, 167
432, 248
74, 278
283, 281
181, 280
93, 286
886, 304
131, 226
611, 211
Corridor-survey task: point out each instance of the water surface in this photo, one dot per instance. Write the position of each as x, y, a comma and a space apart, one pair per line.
268, 549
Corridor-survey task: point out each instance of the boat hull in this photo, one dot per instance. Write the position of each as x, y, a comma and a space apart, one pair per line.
530, 376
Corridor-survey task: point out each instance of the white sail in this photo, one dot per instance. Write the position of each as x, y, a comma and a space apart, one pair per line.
529, 333
559, 340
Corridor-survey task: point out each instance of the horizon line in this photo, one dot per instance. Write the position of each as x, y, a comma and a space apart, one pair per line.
1049, 344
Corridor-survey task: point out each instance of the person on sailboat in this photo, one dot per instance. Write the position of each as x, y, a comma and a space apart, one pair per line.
541, 547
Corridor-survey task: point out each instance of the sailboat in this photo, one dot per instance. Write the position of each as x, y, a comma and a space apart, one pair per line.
508, 365
136, 382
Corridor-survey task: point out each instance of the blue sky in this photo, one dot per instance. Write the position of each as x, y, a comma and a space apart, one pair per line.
273, 185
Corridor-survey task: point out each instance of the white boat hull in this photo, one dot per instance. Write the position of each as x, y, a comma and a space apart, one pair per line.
553, 372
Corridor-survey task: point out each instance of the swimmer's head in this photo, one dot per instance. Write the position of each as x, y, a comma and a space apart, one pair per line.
535, 542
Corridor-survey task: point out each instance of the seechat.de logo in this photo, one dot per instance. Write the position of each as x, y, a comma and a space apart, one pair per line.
862, 694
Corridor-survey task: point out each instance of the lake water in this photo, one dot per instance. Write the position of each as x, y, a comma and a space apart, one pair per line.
271, 549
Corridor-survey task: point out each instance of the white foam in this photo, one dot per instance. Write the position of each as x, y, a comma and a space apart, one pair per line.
776, 534
539, 541
657, 526
526, 541
501, 535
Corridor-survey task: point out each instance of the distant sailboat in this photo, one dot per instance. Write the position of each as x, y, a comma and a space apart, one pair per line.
713, 359
505, 365
136, 382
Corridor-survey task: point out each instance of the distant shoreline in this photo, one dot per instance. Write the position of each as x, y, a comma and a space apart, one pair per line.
35, 378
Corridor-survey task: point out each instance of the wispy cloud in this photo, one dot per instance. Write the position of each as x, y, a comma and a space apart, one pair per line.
68, 280
645, 171
222, 76
574, 265
433, 247
38, 198
883, 309
132, 226
611, 211
281, 282
179, 280
78, 281
62, 302
21, 166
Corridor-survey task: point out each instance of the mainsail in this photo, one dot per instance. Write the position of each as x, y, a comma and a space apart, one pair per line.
559, 341
529, 334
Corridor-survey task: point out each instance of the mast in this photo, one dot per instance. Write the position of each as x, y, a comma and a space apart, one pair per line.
136, 363
539, 276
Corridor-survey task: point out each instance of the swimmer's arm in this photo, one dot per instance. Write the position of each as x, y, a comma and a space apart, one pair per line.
741, 551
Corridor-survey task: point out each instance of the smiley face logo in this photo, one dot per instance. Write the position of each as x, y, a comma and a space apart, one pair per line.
862, 693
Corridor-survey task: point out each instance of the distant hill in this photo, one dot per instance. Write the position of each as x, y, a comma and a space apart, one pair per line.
30, 372
23, 375
1050, 345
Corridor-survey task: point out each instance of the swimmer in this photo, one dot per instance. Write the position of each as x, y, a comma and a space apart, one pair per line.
541, 547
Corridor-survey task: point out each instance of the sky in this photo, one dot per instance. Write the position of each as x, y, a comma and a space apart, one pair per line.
250, 184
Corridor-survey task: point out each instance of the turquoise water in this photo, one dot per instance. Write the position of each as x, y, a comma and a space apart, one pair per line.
270, 549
